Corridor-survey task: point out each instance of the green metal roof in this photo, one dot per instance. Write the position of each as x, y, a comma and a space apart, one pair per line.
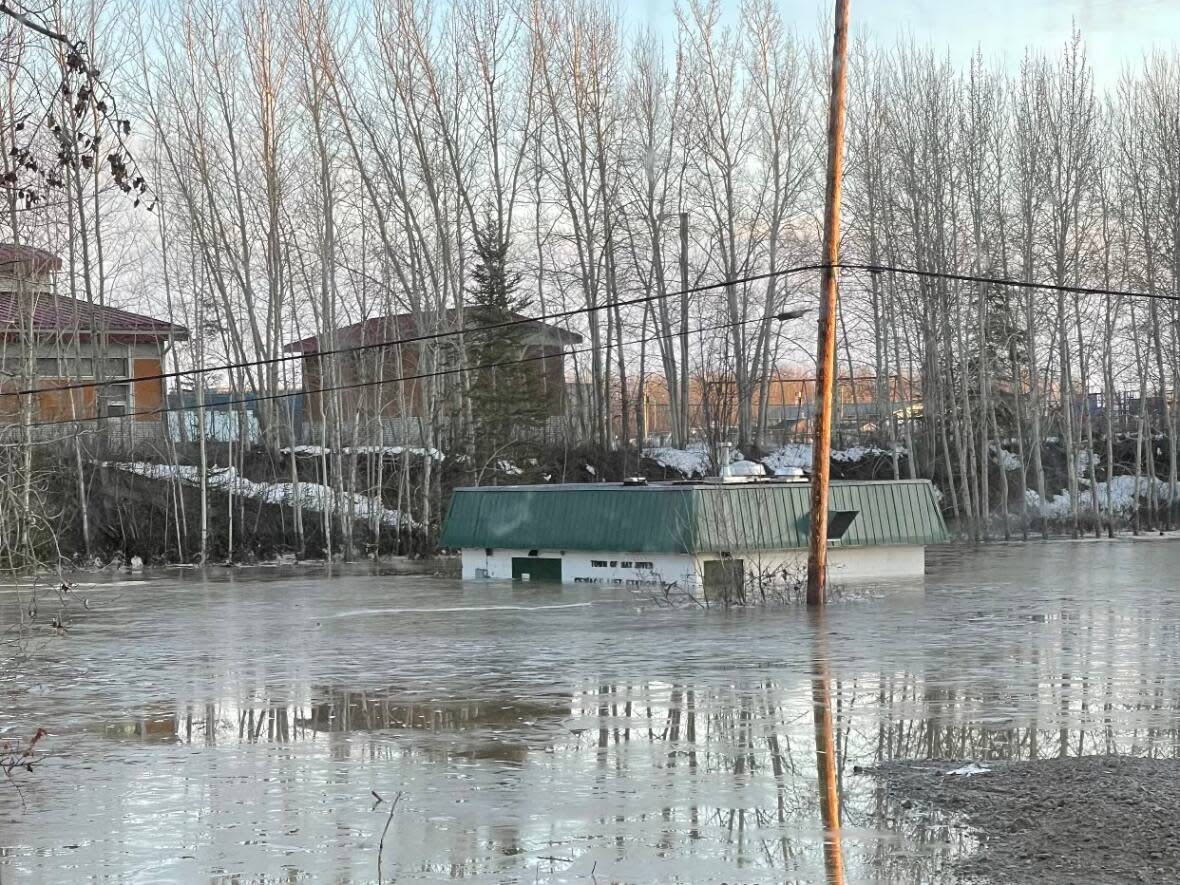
683, 518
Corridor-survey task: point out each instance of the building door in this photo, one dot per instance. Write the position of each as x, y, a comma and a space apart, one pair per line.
533, 568
723, 578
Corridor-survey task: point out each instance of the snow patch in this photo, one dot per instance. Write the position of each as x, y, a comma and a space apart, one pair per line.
306, 450
799, 455
790, 455
1007, 460
313, 496
1084, 460
1125, 496
694, 461
397, 451
385, 451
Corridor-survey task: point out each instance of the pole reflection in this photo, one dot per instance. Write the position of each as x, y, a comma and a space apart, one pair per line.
825, 753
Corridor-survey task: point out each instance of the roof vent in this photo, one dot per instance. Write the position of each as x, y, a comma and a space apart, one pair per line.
743, 471
790, 474
634, 480
724, 456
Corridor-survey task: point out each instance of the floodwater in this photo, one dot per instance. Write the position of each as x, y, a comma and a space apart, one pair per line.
234, 728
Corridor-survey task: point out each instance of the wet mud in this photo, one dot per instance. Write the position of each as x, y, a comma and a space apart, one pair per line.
1088, 819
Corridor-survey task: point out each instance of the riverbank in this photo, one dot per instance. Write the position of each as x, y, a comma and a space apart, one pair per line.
1086, 820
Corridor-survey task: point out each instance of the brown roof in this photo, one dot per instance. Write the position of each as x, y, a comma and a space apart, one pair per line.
55, 314
404, 325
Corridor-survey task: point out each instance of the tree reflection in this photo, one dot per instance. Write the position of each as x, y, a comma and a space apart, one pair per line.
710, 765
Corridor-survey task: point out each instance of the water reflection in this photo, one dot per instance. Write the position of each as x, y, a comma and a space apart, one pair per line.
497, 729
826, 762
535, 741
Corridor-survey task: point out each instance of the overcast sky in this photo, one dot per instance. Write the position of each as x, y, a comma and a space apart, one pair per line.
1117, 32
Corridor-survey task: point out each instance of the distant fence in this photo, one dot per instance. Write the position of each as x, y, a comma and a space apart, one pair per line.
220, 426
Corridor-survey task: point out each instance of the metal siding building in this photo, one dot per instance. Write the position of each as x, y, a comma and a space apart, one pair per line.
686, 518
691, 535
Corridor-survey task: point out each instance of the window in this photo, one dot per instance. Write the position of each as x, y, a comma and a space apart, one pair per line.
598, 563
115, 367
79, 367
53, 367
645, 565
114, 400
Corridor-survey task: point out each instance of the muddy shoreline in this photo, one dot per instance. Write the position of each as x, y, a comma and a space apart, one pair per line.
1089, 819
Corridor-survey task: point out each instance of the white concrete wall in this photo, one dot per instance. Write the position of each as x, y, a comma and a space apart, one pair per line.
845, 563
876, 563
578, 567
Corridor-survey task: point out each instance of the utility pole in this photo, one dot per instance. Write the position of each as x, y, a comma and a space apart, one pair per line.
684, 397
817, 554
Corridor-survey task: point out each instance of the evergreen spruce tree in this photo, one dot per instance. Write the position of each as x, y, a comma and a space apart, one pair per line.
507, 396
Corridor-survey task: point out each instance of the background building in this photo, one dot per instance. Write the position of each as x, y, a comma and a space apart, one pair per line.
49, 341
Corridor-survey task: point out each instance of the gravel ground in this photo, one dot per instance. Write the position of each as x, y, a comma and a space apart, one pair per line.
1094, 819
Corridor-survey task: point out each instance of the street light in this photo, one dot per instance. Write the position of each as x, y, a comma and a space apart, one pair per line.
793, 314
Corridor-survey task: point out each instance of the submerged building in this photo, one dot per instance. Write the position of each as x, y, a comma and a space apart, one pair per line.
689, 534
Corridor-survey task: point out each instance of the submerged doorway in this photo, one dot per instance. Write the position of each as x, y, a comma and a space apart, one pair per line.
724, 579
533, 568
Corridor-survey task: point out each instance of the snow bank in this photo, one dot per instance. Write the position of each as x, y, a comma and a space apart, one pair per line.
1123, 500
1084, 460
1008, 461
386, 451
694, 461
306, 450
313, 496
791, 455
799, 455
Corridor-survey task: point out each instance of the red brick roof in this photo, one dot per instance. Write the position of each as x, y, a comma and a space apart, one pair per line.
57, 314
392, 328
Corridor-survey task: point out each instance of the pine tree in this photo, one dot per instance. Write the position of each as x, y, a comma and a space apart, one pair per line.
507, 396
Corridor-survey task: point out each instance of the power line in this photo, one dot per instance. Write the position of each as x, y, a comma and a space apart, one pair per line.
415, 339
375, 383
645, 299
1003, 281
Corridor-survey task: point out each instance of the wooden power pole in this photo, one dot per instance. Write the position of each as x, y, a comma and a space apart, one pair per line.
817, 554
